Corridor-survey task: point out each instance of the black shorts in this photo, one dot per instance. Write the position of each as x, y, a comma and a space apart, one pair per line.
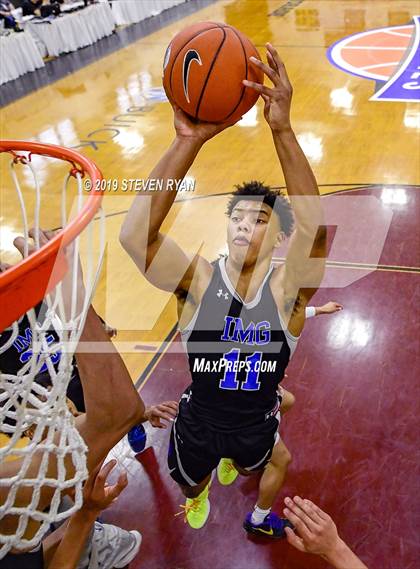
195, 450
32, 560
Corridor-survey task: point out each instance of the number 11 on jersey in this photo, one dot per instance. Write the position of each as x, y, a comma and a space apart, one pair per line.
252, 364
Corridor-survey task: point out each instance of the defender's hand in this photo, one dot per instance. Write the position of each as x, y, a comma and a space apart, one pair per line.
167, 411
67, 283
315, 531
277, 99
97, 493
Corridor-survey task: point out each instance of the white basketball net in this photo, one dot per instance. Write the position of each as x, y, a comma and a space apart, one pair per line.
25, 403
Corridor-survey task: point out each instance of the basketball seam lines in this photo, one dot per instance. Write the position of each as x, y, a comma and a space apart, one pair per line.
181, 48
209, 71
246, 75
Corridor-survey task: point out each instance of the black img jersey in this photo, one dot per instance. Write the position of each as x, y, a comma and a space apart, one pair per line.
237, 354
19, 353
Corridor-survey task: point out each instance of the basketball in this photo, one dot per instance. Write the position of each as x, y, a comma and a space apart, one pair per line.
203, 69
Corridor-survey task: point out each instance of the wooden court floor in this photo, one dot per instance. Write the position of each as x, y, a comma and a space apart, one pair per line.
361, 143
354, 374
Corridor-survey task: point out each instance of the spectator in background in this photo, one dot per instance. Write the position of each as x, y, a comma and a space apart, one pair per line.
6, 9
31, 7
42, 8
51, 8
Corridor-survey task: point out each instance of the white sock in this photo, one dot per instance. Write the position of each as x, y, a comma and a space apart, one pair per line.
258, 515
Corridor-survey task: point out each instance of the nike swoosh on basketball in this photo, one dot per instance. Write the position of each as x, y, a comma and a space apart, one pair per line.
189, 57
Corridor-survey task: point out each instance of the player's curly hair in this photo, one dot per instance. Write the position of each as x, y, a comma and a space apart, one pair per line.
273, 198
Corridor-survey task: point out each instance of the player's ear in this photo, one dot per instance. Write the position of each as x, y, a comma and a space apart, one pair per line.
280, 237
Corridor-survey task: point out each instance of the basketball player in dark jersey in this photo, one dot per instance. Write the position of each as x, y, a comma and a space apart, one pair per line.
104, 423
20, 350
240, 317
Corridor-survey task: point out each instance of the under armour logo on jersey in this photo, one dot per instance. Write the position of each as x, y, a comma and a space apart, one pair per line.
189, 57
186, 396
220, 293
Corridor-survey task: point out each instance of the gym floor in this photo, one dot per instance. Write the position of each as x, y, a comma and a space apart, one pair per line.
352, 432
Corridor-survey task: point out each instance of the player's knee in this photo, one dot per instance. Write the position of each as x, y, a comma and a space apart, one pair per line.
285, 457
287, 403
281, 458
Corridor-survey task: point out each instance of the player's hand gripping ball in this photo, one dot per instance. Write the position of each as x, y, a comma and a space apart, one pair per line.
203, 70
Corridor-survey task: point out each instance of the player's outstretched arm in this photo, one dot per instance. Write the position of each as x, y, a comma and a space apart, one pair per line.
305, 262
329, 308
315, 532
157, 256
113, 405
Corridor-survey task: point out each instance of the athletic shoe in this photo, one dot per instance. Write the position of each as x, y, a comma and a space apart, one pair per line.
110, 547
197, 510
226, 472
272, 526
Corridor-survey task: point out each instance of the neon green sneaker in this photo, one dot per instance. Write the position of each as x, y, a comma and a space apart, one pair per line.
197, 510
226, 472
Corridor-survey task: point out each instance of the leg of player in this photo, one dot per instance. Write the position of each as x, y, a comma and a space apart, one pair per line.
262, 521
287, 401
191, 465
197, 505
228, 469
273, 476
195, 491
